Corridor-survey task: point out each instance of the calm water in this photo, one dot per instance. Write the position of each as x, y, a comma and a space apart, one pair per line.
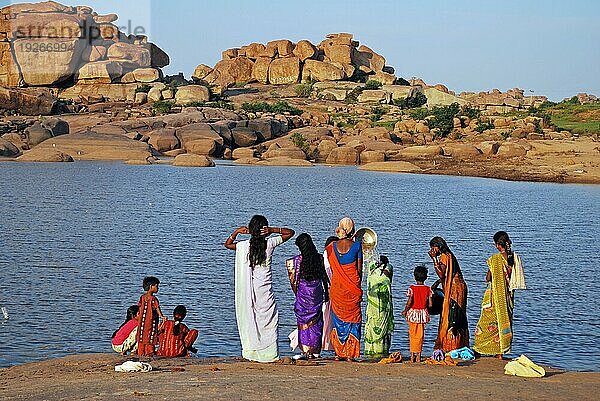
77, 239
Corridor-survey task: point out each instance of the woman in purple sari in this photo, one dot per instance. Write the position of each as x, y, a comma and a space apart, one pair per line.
310, 283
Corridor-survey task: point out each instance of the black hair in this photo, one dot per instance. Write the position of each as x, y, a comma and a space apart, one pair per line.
331, 239
311, 267
384, 260
502, 238
131, 312
178, 315
258, 242
421, 273
149, 282
440, 243
444, 248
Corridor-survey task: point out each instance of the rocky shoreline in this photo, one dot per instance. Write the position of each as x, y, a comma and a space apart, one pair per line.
92, 377
281, 103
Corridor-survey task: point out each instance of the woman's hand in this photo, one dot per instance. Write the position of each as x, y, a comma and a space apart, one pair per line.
243, 230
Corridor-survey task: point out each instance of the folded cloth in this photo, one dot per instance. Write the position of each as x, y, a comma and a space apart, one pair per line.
394, 357
132, 366
438, 355
448, 361
464, 353
524, 367
517, 277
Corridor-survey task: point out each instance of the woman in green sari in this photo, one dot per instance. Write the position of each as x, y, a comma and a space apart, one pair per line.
493, 335
380, 316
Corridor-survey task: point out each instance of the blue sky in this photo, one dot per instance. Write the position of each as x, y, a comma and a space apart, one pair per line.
550, 47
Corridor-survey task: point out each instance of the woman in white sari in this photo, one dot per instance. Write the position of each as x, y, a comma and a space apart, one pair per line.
255, 307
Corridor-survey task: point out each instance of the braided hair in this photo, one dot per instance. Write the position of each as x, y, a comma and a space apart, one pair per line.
501, 238
178, 315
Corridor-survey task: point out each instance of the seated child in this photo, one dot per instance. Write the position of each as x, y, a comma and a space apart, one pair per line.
419, 299
124, 338
175, 338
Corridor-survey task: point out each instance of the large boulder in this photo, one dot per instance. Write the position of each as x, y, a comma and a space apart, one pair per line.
461, 150
101, 72
375, 96
56, 126
197, 131
284, 71
204, 146
343, 155
93, 146
324, 149
436, 97
163, 139
94, 92
510, 149
260, 70
268, 128
8, 149
253, 50
56, 60
321, 71
29, 101
229, 72
422, 151
189, 160
243, 153
192, 93
9, 69
288, 152
285, 162
367, 60
130, 53
392, 167
45, 155
201, 72
305, 50
372, 156
244, 137
37, 134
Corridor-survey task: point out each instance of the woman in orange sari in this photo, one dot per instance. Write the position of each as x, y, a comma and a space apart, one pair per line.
345, 293
453, 330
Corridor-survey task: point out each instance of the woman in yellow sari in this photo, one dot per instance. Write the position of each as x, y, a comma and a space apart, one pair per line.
493, 335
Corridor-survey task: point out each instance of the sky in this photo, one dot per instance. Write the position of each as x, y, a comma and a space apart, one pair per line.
549, 47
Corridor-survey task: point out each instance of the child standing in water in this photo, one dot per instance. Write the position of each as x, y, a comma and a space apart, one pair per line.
150, 312
175, 338
416, 313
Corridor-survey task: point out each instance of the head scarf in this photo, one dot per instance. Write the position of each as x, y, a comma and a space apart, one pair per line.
345, 228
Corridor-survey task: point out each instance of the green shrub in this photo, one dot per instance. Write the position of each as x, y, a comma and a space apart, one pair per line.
419, 114
144, 88
471, 112
216, 104
279, 107
443, 119
352, 96
411, 102
506, 134
305, 89
537, 127
484, 126
300, 141
573, 100
163, 106
372, 84
377, 112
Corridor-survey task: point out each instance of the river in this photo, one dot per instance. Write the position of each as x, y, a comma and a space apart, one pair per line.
77, 240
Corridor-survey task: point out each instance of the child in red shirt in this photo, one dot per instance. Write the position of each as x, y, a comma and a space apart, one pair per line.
175, 338
124, 338
416, 313
150, 312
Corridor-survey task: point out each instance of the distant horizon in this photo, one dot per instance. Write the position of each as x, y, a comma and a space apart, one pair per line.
546, 48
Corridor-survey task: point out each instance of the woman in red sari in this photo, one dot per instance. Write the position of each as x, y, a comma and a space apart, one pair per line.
345, 294
150, 312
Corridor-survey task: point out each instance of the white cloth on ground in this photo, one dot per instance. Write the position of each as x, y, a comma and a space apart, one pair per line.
132, 366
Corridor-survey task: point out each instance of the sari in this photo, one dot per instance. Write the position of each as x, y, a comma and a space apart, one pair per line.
380, 315
493, 334
453, 330
255, 308
308, 310
327, 320
345, 295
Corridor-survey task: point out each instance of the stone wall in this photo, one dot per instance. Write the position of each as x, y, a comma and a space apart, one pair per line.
280, 62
